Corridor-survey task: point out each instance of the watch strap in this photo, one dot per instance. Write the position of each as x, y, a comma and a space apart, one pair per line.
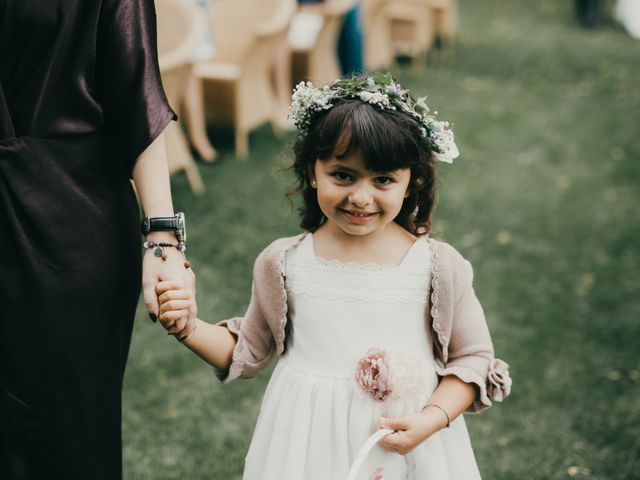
160, 224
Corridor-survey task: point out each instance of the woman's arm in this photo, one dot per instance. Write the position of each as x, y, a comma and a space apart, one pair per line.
151, 178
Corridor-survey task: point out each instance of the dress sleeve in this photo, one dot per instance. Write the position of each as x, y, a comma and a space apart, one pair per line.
128, 82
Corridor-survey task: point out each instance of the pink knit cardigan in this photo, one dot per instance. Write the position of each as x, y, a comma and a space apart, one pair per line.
462, 342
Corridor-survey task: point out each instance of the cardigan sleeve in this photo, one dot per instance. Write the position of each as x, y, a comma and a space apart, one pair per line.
259, 332
470, 350
255, 345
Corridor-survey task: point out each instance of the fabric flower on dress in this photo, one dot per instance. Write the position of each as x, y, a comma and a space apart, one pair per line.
372, 374
383, 374
498, 381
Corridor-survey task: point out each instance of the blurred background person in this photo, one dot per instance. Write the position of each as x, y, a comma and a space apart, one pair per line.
588, 13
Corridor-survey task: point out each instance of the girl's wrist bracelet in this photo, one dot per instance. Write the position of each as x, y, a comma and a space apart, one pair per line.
443, 411
158, 248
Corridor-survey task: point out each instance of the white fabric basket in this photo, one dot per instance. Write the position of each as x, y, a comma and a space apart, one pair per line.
364, 451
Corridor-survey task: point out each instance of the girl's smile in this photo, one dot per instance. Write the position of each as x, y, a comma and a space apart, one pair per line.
358, 217
355, 200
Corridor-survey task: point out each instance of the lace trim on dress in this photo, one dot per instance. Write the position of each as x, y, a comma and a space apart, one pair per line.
356, 284
352, 281
358, 267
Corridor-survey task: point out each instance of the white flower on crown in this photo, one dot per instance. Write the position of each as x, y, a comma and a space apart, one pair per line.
306, 100
442, 138
375, 98
381, 91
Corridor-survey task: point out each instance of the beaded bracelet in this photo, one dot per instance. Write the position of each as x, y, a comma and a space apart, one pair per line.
158, 248
443, 411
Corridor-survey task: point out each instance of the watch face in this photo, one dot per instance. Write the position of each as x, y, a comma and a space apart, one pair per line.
182, 227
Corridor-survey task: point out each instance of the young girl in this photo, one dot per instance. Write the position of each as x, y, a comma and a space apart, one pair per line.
373, 324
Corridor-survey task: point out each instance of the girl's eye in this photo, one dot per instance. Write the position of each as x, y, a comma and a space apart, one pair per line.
341, 176
384, 180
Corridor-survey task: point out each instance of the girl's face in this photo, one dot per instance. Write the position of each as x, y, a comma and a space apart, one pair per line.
356, 200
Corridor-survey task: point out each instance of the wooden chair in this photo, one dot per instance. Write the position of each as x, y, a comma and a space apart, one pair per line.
237, 84
319, 63
396, 27
412, 28
378, 42
179, 30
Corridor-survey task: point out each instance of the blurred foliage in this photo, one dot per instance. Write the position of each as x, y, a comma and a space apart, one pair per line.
543, 201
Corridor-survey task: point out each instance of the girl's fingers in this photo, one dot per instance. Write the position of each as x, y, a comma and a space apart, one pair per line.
394, 443
180, 323
389, 443
392, 424
163, 286
168, 319
167, 306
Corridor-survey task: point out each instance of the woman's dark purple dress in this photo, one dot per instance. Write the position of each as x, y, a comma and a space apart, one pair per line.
80, 99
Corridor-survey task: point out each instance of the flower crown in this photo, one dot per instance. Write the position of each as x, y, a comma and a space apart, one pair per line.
379, 90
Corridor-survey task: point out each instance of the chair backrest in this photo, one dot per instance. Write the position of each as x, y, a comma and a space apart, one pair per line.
323, 58
180, 29
238, 23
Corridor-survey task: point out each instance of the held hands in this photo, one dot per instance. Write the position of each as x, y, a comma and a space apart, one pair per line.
175, 300
154, 271
410, 431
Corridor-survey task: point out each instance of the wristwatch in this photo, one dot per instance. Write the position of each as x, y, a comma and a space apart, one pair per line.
166, 224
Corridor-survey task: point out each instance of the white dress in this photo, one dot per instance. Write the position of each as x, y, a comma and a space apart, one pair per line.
315, 415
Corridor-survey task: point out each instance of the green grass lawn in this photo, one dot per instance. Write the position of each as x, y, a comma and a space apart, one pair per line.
543, 201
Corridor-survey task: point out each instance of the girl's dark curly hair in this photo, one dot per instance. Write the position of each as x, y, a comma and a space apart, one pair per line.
387, 139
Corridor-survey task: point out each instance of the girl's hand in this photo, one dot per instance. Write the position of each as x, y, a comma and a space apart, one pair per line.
410, 431
155, 270
176, 303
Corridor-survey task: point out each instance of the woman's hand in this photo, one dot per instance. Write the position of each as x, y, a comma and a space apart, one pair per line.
155, 270
410, 431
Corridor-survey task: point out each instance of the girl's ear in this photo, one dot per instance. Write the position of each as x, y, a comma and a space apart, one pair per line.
312, 175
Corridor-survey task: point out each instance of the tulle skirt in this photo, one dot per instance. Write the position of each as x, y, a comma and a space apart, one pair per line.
311, 427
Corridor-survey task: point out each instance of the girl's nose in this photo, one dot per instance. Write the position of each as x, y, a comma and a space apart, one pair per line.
360, 196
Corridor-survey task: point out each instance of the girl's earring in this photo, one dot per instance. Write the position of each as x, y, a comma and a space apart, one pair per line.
313, 183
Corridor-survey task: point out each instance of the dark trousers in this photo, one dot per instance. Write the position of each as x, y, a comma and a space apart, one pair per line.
588, 12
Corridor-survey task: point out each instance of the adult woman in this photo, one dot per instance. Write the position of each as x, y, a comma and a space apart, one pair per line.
81, 104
